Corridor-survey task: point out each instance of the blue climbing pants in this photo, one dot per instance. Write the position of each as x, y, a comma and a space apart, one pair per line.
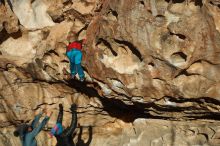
75, 57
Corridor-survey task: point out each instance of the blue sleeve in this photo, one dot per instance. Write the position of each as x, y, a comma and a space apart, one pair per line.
36, 120
40, 127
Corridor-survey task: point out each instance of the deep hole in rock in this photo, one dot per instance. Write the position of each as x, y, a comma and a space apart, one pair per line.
133, 49
211, 3
198, 3
151, 64
58, 19
142, 2
149, 11
162, 16
114, 13
179, 56
4, 35
0, 53
107, 44
181, 36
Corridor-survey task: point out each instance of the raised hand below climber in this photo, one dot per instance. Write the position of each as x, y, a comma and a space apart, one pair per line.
28, 132
64, 136
74, 54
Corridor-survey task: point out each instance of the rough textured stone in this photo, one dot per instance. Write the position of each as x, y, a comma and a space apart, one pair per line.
145, 60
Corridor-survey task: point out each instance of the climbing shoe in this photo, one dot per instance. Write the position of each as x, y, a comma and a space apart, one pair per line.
82, 79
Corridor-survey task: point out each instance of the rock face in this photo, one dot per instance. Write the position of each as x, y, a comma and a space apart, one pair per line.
145, 60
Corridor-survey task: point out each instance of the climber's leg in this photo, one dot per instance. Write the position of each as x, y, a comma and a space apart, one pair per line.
79, 69
71, 55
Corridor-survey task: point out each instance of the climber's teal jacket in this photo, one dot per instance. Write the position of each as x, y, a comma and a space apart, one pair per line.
29, 138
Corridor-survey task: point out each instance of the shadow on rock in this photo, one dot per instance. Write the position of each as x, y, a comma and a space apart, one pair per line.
80, 141
114, 107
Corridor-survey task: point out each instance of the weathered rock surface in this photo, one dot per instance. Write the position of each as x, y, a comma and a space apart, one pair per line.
145, 60
142, 133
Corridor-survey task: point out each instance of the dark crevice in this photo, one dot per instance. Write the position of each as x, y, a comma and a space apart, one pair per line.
128, 113
69, 2
58, 19
133, 49
98, 8
10, 4
151, 64
206, 116
198, 3
177, 1
142, 2
52, 52
184, 72
0, 53
107, 44
84, 28
215, 4
199, 100
38, 106
76, 14
4, 35
45, 34
163, 80
174, 68
200, 112
207, 61
181, 36
149, 11
39, 62
180, 54
64, 61
114, 107
160, 16
114, 13
85, 69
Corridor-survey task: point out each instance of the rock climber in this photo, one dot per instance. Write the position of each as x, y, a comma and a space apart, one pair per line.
27, 133
74, 54
64, 136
